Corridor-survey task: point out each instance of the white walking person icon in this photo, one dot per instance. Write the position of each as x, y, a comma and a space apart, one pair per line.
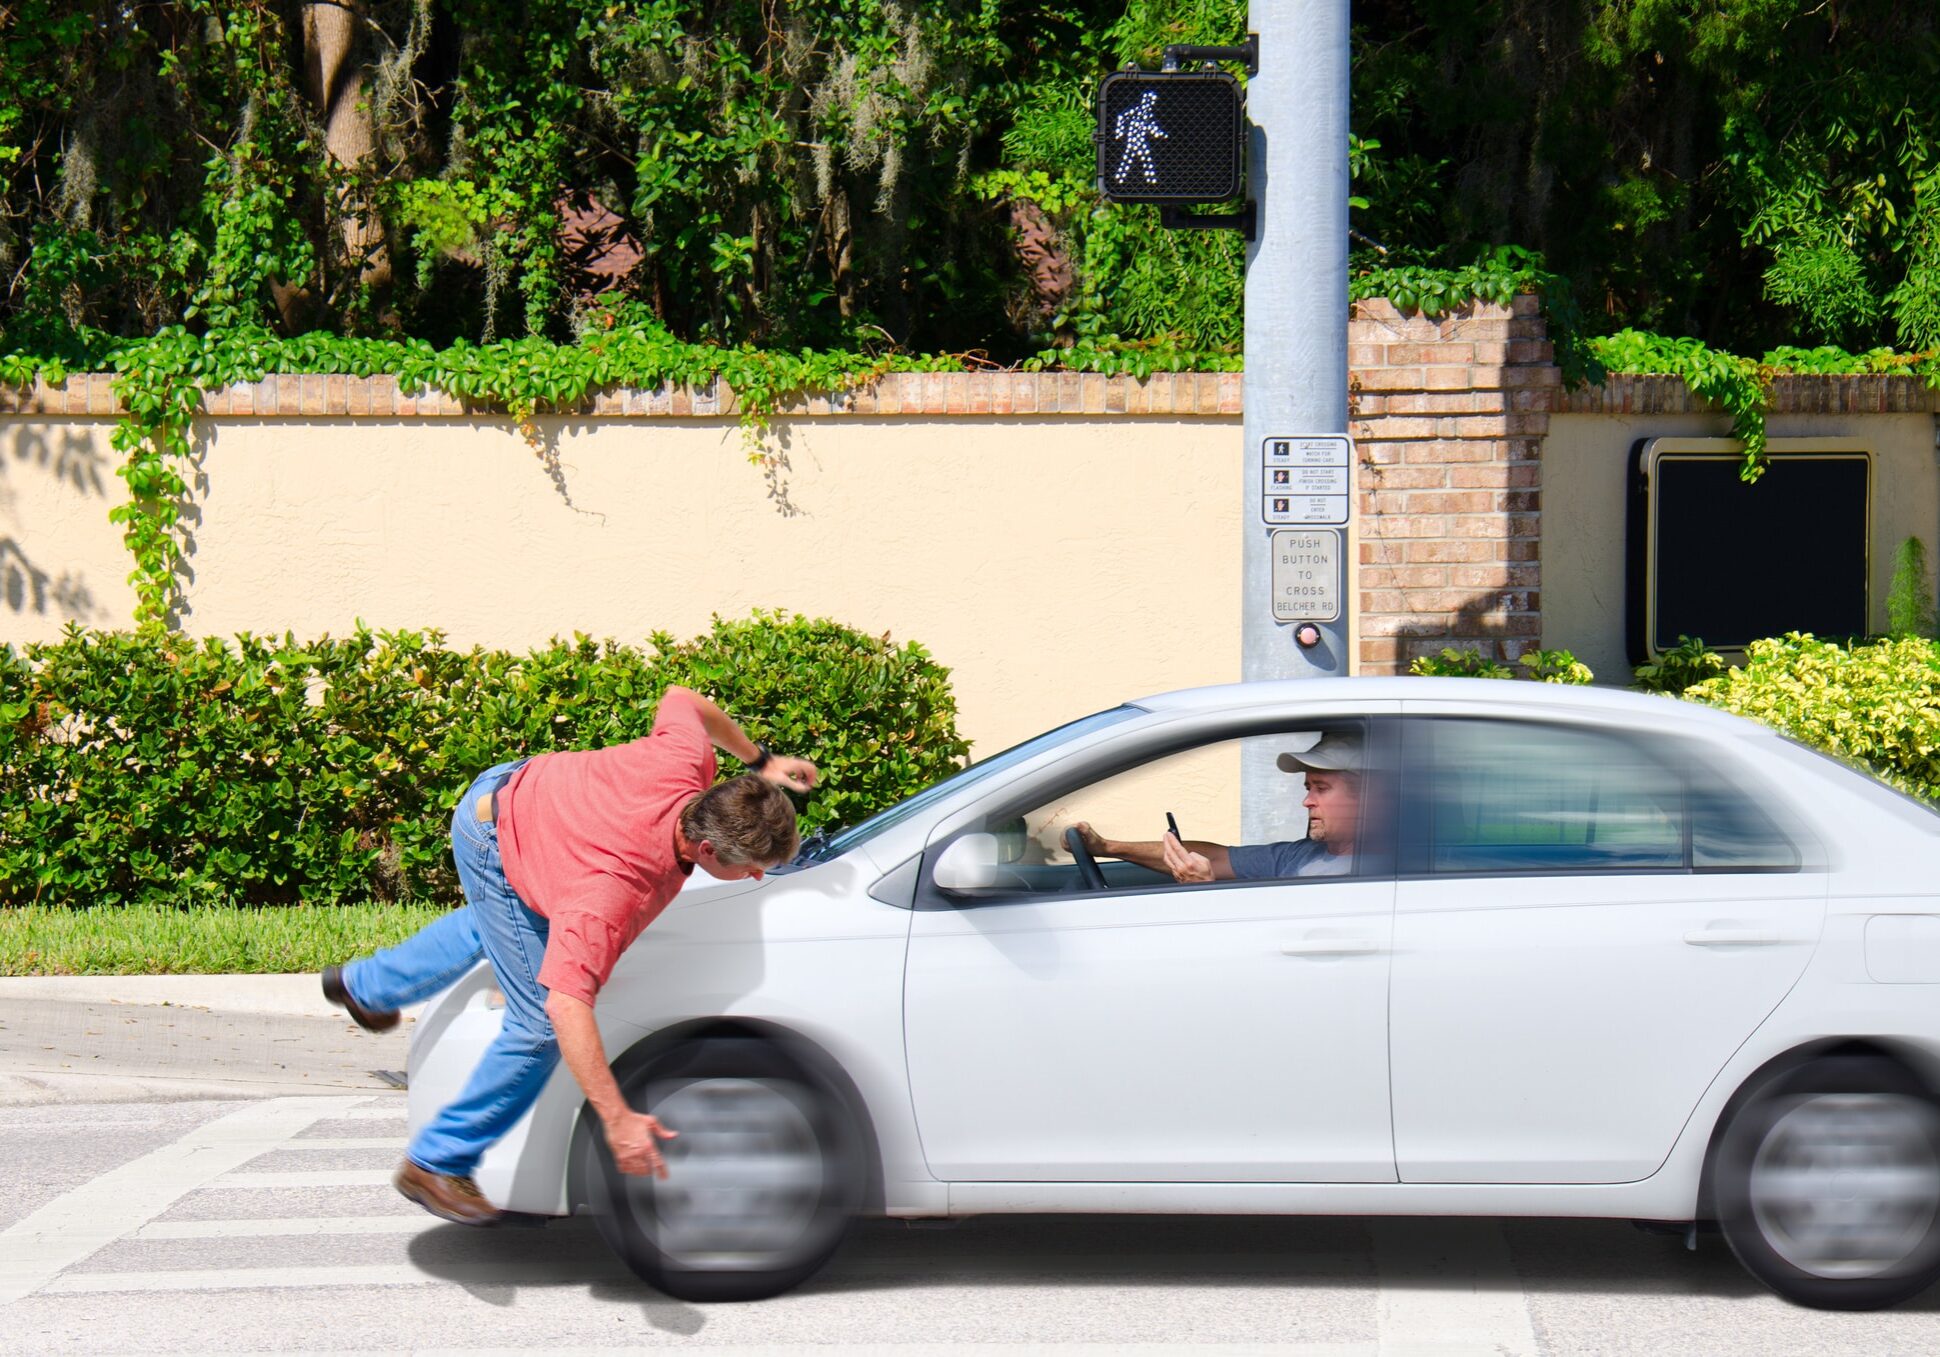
1136, 128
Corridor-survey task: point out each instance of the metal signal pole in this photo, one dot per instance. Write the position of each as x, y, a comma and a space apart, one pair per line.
1298, 473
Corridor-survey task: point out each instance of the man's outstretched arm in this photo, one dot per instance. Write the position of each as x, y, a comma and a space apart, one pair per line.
727, 735
634, 1137
1153, 854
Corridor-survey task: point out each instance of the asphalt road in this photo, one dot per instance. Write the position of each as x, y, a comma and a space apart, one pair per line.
267, 1225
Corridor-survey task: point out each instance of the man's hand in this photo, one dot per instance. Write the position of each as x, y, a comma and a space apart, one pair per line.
1184, 864
798, 775
1093, 841
634, 1138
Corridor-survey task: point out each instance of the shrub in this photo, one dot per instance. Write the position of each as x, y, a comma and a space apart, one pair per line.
1545, 666
1876, 704
1453, 663
1689, 661
145, 767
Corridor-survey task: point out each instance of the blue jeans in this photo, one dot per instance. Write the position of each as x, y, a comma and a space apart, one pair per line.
496, 924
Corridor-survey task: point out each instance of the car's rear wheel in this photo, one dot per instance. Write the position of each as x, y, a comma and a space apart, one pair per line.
761, 1183
1827, 1184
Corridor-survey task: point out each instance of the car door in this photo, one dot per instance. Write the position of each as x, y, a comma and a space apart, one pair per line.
1589, 922
1154, 1032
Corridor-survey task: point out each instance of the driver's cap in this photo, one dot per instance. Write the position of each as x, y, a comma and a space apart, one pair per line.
1333, 754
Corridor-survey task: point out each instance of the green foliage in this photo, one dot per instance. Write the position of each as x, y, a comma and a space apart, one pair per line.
149, 767
805, 172
788, 169
1544, 666
879, 720
1689, 661
1495, 276
219, 939
1733, 383
1464, 663
1556, 666
1748, 172
1909, 603
1139, 288
1874, 704
1742, 386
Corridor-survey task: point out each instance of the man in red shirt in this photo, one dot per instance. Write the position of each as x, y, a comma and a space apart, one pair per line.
565, 858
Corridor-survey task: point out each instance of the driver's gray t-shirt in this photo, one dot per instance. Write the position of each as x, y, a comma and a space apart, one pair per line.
1271, 861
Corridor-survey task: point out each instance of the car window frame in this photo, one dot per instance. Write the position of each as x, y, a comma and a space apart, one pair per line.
1381, 724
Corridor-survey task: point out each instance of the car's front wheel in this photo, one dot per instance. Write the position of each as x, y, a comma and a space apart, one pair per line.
1827, 1184
762, 1178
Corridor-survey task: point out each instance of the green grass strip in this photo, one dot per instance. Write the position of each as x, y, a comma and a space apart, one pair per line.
199, 939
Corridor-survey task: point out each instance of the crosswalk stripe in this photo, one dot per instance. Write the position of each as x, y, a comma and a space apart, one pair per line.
1447, 1287
80, 1222
539, 1271
415, 1223
390, 1110
312, 1178
345, 1143
917, 1349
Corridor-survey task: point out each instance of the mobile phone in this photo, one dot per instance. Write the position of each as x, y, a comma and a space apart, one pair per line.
1172, 826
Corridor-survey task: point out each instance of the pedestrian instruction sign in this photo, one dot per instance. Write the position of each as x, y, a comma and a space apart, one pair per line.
1304, 481
1170, 137
1306, 575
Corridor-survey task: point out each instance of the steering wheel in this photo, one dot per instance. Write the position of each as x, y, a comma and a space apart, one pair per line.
1088, 872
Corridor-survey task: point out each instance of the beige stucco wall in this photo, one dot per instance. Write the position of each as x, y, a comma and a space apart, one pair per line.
1585, 461
61, 560
1057, 565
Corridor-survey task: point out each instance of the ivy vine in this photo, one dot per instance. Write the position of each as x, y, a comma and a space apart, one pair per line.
1742, 387
1738, 385
160, 381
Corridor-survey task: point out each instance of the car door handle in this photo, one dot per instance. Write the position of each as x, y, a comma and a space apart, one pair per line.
1331, 947
1733, 937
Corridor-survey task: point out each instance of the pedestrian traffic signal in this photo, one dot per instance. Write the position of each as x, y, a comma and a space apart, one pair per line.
1170, 137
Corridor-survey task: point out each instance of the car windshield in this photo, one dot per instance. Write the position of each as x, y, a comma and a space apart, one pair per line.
822, 847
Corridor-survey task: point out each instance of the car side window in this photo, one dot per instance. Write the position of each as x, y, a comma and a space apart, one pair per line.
1731, 833
1121, 820
1516, 797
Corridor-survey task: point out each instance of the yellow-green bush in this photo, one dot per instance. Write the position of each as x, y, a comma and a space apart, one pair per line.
1876, 703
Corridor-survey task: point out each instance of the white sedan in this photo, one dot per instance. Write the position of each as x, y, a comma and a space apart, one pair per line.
1561, 952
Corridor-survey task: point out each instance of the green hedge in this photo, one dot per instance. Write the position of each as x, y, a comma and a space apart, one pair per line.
1872, 703
158, 768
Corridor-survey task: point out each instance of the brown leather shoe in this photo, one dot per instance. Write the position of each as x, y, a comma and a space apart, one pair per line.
371, 1020
442, 1194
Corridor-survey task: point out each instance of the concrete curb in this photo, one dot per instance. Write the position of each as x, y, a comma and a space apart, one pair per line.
296, 996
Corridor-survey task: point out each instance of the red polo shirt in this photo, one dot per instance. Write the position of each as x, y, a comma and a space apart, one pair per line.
587, 838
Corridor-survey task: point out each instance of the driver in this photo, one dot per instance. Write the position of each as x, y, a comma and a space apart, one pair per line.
1333, 801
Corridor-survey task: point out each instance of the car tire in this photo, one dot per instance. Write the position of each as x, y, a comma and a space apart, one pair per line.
763, 1178
1826, 1183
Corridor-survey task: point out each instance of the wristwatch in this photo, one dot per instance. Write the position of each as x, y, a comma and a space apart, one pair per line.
762, 754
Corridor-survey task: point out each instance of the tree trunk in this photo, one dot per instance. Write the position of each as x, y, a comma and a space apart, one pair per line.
339, 87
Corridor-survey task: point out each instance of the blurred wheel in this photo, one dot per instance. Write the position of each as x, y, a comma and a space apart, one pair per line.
761, 1181
1828, 1185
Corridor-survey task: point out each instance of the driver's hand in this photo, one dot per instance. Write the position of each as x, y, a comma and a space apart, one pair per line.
1184, 864
1093, 841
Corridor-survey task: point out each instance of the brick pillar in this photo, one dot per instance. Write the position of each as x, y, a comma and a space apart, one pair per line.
1448, 418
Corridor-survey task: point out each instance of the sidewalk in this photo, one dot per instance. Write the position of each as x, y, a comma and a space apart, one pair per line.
112, 1038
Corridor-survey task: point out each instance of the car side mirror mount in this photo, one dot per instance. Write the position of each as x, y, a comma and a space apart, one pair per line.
968, 864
